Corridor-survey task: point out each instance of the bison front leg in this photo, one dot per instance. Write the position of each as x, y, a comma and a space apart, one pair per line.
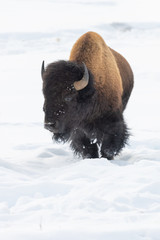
82, 145
114, 139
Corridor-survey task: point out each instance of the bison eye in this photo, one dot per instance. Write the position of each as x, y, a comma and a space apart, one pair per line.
68, 99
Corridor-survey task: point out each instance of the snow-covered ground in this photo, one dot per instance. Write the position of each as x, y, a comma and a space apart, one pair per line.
45, 192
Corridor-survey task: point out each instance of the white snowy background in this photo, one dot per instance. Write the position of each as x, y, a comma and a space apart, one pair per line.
45, 192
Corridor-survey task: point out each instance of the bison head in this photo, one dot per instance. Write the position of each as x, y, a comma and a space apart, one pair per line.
68, 89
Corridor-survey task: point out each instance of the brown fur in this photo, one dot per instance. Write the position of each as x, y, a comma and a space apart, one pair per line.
126, 76
111, 71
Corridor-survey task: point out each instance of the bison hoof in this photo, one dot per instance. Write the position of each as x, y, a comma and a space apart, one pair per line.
87, 156
109, 154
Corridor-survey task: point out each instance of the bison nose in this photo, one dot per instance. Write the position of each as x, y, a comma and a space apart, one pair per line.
52, 126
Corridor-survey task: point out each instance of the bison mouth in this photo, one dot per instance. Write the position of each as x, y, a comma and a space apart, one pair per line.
55, 127
60, 132
52, 127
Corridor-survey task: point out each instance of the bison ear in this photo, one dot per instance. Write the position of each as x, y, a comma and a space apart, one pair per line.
42, 70
81, 84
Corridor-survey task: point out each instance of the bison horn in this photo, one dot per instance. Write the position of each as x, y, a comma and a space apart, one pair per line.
42, 69
79, 85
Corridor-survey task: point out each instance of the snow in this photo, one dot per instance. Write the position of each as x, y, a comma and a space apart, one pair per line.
45, 191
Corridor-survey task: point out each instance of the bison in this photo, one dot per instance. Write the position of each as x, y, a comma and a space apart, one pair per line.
85, 98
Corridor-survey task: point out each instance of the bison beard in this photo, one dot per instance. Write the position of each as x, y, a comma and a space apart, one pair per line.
82, 113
